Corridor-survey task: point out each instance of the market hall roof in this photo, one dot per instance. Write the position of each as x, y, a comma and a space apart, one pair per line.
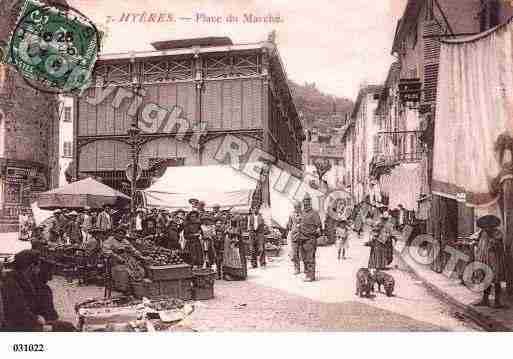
185, 43
184, 51
195, 50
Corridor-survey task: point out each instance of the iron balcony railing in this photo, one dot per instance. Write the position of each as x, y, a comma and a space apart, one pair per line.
398, 147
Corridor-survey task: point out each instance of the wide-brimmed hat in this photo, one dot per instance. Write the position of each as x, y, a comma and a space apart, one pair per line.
214, 206
488, 221
193, 201
72, 213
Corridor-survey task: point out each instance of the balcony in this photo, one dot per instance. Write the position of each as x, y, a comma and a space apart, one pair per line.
394, 148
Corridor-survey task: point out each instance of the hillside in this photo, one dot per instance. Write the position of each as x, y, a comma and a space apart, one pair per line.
318, 108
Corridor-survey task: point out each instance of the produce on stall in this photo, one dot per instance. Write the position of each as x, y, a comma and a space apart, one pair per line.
129, 314
156, 255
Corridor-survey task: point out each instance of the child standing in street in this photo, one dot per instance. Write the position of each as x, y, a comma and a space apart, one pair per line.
207, 241
342, 236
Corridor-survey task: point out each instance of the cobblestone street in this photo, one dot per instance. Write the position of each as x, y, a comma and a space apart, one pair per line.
272, 299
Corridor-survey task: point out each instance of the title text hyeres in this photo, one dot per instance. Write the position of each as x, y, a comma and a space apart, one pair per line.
133, 17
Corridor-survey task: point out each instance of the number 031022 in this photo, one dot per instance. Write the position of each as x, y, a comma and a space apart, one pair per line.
28, 348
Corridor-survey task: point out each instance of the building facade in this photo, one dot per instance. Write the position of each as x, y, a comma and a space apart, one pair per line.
406, 124
226, 89
66, 120
358, 144
28, 139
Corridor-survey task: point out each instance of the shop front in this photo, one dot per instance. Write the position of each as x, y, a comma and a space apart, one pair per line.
20, 183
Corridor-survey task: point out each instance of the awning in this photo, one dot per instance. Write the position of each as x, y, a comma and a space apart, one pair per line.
215, 184
80, 194
404, 185
474, 122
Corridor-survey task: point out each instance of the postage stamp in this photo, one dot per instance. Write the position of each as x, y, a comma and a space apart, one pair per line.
54, 47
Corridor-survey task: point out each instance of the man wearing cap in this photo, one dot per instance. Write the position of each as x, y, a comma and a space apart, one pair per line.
293, 230
22, 307
490, 251
310, 228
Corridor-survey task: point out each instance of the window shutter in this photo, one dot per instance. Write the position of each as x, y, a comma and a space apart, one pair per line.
431, 60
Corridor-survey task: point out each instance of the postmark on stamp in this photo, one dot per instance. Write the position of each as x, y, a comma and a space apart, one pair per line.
54, 47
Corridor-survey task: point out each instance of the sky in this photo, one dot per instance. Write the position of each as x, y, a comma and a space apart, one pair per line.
338, 44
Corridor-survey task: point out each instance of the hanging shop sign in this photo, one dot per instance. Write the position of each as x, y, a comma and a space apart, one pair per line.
410, 90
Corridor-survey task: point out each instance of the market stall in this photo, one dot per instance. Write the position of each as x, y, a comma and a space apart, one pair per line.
235, 192
232, 189
81, 194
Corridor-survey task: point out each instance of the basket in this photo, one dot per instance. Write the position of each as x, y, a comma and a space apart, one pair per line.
203, 284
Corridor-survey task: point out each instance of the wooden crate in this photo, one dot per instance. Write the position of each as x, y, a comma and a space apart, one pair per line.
146, 288
174, 288
169, 272
177, 288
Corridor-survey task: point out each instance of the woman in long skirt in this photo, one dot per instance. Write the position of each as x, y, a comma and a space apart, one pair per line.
193, 251
235, 266
378, 244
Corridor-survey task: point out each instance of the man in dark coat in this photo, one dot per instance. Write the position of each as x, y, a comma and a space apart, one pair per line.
18, 294
256, 228
310, 228
27, 299
292, 227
